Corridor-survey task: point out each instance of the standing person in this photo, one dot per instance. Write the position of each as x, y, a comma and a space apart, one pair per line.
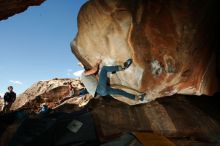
96, 84
9, 99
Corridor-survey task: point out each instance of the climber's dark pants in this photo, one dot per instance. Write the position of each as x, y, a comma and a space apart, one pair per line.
7, 106
103, 89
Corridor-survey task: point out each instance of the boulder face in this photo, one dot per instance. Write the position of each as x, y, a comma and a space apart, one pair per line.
12, 7
172, 44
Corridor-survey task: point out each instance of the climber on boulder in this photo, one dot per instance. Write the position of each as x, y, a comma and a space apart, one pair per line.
96, 84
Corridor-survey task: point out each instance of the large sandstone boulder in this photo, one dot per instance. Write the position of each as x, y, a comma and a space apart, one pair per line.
172, 44
186, 120
50, 92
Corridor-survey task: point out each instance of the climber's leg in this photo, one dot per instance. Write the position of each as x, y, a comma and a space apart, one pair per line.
103, 79
113, 91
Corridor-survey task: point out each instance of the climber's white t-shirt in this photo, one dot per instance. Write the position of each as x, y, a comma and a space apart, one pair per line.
90, 82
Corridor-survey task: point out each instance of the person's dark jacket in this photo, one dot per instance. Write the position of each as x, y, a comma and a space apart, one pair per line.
10, 96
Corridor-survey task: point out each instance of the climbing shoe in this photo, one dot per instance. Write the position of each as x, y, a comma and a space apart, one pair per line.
127, 64
140, 97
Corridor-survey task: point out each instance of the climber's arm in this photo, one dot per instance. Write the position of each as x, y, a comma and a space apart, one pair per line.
94, 70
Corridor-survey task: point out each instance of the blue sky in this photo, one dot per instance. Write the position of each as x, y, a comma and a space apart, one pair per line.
35, 44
